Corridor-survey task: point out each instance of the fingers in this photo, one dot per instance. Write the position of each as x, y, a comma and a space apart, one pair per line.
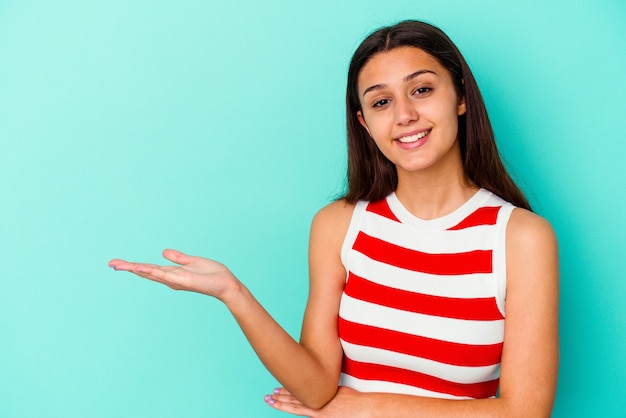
143, 270
171, 255
160, 274
284, 396
147, 271
115, 262
124, 265
285, 402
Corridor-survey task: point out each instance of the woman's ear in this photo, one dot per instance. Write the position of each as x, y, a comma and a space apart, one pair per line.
359, 116
461, 109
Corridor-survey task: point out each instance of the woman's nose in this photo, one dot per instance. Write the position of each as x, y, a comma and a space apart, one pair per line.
405, 112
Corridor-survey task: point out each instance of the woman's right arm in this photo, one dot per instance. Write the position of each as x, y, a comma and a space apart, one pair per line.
309, 369
327, 278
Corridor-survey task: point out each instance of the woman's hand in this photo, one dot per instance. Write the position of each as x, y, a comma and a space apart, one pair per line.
195, 274
347, 403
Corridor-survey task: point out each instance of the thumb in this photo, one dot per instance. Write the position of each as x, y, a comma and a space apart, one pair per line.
178, 257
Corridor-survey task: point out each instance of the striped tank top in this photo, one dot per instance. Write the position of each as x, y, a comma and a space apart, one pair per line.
422, 312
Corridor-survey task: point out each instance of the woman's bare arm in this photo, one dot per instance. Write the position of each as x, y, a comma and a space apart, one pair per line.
310, 369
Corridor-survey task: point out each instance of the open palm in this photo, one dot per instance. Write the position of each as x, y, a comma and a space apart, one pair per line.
192, 273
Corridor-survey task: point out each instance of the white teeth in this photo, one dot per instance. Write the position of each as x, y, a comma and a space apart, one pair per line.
413, 138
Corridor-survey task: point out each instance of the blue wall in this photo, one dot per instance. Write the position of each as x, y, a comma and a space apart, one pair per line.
218, 129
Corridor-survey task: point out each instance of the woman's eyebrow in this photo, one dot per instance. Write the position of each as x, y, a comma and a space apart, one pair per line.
416, 74
406, 80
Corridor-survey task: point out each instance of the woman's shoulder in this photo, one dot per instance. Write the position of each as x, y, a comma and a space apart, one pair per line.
334, 216
330, 224
526, 227
338, 207
530, 240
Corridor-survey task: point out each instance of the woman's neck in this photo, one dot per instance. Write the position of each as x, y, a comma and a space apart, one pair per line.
430, 196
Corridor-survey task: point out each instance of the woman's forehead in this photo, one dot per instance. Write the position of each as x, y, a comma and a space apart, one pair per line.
396, 65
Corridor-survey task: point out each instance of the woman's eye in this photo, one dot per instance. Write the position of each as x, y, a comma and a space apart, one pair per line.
380, 103
422, 90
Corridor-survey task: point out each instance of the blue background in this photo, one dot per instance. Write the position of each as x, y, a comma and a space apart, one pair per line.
217, 128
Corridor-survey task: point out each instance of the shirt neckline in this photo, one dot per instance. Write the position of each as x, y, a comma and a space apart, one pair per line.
443, 222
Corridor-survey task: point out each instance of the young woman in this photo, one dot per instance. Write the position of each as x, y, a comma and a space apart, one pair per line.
432, 284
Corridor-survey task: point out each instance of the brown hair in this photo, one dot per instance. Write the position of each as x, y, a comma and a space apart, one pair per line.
371, 176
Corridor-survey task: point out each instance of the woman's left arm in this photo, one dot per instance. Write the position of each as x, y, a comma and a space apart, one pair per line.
530, 353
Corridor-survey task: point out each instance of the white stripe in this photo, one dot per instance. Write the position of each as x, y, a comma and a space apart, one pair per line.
353, 230
389, 387
455, 286
439, 328
499, 257
480, 199
432, 242
451, 373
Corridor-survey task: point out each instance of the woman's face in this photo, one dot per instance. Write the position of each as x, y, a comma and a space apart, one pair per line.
410, 108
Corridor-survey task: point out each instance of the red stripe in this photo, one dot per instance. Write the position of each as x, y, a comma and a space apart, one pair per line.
368, 371
477, 309
477, 261
487, 215
381, 207
446, 352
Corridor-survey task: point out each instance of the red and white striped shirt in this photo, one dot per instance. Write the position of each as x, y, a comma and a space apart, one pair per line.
422, 312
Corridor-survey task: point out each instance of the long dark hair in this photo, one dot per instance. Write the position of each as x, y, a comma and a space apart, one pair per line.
371, 176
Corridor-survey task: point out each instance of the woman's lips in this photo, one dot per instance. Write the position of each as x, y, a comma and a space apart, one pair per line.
407, 139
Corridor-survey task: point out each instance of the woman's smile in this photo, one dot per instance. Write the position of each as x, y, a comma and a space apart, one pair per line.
411, 138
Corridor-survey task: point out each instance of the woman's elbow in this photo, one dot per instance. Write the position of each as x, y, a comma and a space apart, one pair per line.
317, 399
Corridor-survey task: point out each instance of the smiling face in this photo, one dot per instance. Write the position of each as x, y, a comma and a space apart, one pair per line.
410, 107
